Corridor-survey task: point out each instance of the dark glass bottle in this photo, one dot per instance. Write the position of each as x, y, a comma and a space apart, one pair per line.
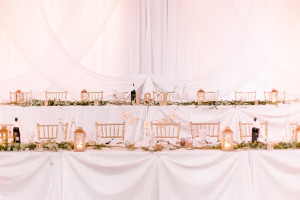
133, 94
16, 135
16, 132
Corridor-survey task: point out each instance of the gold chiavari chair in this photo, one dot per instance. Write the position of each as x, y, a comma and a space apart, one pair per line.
109, 130
203, 96
91, 96
62, 96
292, 129
245, 96
3, 135
212, 129
125, 97
9, 128
211, 96
170, 96
166, 130
19, 97
49, 132
246, 130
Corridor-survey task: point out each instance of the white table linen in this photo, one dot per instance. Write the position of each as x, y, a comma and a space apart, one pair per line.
125, 175
30, 176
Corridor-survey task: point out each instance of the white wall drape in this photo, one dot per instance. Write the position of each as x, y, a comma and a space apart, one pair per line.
108, 44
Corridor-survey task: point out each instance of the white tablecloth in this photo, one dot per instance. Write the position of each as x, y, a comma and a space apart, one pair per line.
278, 117
30, 175
122, 175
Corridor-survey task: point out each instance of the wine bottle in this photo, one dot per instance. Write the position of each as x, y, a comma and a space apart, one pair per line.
133, 94
16, 132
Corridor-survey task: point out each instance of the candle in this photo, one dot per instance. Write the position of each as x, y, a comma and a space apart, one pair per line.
227, 145
79, 146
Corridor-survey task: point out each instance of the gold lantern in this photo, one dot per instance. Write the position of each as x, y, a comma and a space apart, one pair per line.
227, 139
296, 133
3, 135
200, 96
158, 146
274, 95
85, 95
19, 97
79, 139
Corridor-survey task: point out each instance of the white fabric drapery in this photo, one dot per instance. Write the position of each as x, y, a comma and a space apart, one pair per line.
109, 44
122, 175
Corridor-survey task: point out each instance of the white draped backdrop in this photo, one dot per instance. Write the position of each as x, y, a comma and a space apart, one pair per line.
109, 44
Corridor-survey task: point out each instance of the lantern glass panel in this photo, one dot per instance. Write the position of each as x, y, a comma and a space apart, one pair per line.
79, 140
227, 139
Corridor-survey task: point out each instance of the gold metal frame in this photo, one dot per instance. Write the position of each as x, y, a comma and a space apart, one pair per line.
251, 96
170, 100
292, 129
20, 97
213, 129
62, 96
9, 128
50, 131
208, 96
93, 96
110, 130
166, 130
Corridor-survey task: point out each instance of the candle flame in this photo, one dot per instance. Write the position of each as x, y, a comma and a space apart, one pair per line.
227, 145
79, 146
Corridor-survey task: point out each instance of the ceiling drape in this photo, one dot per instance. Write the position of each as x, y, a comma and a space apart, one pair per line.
110, 44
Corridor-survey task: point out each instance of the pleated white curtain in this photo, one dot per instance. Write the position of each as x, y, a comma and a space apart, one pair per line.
109, 44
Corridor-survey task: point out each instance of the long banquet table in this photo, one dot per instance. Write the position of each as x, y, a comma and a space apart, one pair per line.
278, 117
121, 175
181, 174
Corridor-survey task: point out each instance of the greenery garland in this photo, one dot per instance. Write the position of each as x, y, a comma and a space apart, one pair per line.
213, 104
54, 146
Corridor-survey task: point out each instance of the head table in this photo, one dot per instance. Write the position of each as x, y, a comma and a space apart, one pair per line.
119, 174
122, 174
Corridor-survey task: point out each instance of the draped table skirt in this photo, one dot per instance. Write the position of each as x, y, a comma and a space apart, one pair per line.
180, 174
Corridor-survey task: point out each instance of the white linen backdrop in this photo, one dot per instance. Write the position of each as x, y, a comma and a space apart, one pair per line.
109, 44
126, 175
278, 117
